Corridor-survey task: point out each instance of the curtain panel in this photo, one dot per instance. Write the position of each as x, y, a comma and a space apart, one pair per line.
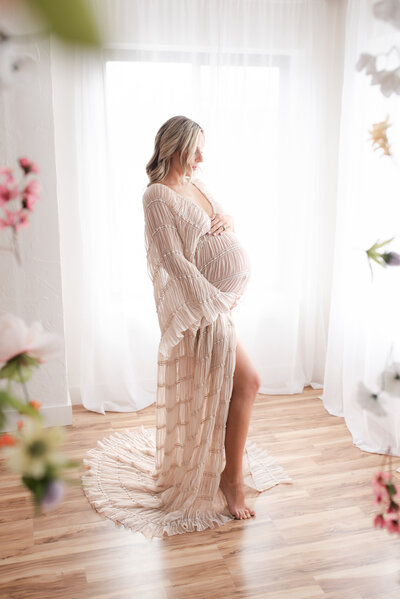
263, 78
364, 331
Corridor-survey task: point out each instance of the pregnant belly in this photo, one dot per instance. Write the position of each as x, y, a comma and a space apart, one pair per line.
224, 262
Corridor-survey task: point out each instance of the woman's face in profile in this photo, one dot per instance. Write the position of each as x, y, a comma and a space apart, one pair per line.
197, 157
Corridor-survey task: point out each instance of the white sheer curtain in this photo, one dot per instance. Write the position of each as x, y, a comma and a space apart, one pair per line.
263, 78
117, 366
364, 333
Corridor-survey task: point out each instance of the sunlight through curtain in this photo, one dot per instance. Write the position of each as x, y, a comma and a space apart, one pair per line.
263, 79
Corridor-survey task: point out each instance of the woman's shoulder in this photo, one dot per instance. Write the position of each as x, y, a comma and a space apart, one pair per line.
157, 191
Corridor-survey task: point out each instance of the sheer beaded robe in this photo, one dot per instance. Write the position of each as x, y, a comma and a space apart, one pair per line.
166, 480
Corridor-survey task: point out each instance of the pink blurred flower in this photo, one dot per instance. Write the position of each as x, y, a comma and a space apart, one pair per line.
22, 220
16, 220
28, 166
379, 521
380, 482
8, 191
32, 188
392, 522
10, 220
381, 478
380, 495
30, 195
6, 172
29, 201
16, 338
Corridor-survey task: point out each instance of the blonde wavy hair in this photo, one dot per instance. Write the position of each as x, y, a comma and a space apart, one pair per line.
177, 134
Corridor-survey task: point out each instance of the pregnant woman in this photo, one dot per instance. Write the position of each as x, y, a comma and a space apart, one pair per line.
190, 471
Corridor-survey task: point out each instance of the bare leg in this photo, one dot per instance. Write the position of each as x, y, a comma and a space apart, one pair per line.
246, 383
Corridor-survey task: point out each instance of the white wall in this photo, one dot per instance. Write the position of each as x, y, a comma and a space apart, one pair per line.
34, 291
62, 71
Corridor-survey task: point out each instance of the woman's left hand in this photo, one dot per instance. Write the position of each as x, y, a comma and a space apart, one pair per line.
217, 224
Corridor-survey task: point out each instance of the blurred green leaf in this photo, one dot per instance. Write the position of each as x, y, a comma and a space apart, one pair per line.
70, 20
3, 399
36, 486
11, 371
391, 489
23, 408
29, 360
73, 481
8, 401
8, 370
19, 368
71, 464
380, 244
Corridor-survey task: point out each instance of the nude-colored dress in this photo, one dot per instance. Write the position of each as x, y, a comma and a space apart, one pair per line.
166, 480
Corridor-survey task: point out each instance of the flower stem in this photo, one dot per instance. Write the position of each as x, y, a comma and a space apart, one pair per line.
16, 249
26, 394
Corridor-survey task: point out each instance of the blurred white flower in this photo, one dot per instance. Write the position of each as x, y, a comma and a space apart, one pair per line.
17, 338
6, 61
369, 400
367, 62
36, 450
388, 10
388, 81
391, 379
16, 67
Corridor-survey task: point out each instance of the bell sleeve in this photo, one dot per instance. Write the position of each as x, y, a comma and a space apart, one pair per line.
185, 299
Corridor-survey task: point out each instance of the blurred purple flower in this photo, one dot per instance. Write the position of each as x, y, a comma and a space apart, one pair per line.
54, 494
391, 258
383, 258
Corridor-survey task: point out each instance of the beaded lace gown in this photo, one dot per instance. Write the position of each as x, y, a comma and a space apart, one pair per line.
165, 480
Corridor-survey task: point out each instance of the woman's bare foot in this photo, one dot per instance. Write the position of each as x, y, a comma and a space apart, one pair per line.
234, 493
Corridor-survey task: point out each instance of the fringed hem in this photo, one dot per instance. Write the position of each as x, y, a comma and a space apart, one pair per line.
132, 455
149, 529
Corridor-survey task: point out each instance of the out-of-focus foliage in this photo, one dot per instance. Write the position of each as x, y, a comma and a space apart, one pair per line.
70, 20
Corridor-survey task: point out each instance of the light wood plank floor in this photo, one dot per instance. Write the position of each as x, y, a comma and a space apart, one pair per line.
311, 539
